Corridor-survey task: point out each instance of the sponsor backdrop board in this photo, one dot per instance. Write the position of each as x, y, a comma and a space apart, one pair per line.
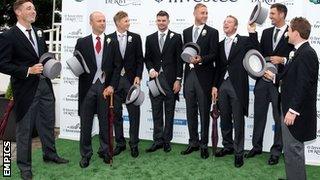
142, 14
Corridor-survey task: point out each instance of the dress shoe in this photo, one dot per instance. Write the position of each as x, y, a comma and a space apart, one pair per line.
238, 161
154, 147
166, 147
224, 151
106, 159
26, 175
134, 152
118, 150
273, 160
189, 150
56, 159
282, 179
252, 153
84, 162
204, 153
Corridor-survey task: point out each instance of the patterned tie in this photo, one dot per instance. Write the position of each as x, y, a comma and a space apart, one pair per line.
195, 34
161, 42
30, 36
122, 44
227, 46
98, 45
275, 37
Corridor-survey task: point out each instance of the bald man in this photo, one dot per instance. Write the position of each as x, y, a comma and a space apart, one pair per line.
103, 60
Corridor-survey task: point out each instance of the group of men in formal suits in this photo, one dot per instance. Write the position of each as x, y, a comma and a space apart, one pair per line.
216, 74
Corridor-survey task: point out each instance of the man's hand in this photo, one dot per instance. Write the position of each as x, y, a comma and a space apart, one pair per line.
251, 28
176, 87
36, 69
214, 94
153, 74
289, 118
276, 59
269, 75
196, 59
136, 80
108, 91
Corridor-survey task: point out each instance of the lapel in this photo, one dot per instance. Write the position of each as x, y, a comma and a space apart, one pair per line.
234, 48
223, 51
91, 50
166, 42
200, 34
156, 42
287, 67
40, 44
281, 41
128, 44
24, 41
105, 48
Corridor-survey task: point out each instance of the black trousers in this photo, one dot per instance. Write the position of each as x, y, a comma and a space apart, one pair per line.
94, 102
196, 100
163, 131
40, 115
264, 93
232, 116
133, 111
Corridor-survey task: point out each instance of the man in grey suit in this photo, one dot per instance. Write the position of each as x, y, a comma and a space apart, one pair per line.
299, 81
20, 49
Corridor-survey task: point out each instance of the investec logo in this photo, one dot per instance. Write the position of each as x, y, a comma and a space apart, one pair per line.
198, 1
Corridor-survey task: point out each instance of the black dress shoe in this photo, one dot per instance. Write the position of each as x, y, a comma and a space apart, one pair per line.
189, 150
166, 147
204, 153
26, 175
118, 150
282, 179
252, 153
134, 152
273, 160
238, 161
106, 159
154, 147
224, 151
56, 159
84, 162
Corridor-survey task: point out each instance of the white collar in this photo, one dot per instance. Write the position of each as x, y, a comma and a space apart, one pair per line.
300, 44
283, 28
200, 27
120, 34
94, 37
232, 36
22, 28
165, 32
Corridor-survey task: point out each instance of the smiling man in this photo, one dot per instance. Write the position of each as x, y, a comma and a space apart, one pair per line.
20, 49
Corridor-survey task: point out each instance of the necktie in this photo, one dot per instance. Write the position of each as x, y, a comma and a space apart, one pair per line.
122, 44
30, 36
98, 45
195, 34
275, 37
227, 46
161, 42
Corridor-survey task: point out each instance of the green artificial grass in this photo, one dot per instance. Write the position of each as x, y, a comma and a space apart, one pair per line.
157, 165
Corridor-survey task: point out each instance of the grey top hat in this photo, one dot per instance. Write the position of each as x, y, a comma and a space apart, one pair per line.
259, 14
189, 50
271, 67
254, 63
135, 95
51, 66
155, 87
77, 64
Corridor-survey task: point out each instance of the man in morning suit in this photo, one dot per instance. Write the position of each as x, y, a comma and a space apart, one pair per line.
275, 45
198, 79
130, 47
232, 85
20, 49
162, 58
299, 81
102, 57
